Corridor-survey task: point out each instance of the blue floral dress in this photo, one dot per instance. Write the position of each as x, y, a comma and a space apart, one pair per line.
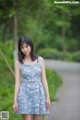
31, 95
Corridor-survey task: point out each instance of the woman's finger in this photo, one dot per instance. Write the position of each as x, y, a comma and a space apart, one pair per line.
47, 105
15, 108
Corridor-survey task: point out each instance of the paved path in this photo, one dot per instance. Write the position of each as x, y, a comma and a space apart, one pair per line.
68, 107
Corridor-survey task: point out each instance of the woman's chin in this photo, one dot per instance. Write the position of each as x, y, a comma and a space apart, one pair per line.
26, 54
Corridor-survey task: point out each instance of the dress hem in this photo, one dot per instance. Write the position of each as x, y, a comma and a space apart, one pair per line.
34, 113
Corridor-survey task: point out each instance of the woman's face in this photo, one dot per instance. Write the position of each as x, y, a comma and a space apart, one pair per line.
26, 49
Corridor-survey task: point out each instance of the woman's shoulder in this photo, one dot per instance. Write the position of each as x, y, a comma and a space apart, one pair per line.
17, 62
41, 59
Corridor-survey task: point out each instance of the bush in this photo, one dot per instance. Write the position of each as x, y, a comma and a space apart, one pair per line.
76, 56
49, 53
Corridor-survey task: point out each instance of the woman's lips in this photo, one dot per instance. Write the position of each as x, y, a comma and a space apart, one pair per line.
25, 52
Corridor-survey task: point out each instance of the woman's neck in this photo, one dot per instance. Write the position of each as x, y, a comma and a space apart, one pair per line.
27, 58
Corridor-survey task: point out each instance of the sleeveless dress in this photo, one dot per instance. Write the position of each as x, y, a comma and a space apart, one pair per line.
31, 95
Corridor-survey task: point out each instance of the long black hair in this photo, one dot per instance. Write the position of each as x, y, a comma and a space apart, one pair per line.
28, 41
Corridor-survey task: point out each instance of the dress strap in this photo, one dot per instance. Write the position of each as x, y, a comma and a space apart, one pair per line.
38, 59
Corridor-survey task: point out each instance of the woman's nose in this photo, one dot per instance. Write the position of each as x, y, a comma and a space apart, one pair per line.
25, 49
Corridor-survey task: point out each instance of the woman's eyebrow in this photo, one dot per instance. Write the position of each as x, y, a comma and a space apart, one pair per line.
23, 45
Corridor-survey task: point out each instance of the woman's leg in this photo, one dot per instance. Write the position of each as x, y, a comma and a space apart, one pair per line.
37, 117
26, 117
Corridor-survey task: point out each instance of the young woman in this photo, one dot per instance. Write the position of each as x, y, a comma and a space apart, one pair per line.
31, 95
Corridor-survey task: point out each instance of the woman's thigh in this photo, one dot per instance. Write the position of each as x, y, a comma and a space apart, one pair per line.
37, 117
27, 116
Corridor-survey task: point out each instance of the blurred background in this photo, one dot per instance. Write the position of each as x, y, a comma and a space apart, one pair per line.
55, 32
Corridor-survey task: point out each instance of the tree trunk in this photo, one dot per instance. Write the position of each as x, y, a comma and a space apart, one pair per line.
63, 39
7, 63
15, 38
3, 34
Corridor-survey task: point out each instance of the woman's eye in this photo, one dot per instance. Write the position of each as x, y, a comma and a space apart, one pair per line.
24, 47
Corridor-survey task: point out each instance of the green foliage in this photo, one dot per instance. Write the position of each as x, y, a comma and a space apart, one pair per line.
72, 45
44, 21
37, 33
7, 49
76, 56
50, 53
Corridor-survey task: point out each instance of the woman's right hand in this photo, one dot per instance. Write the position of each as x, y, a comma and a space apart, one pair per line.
15, 107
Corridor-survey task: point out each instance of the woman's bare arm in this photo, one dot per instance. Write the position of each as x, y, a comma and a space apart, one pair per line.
17, 80
43, 77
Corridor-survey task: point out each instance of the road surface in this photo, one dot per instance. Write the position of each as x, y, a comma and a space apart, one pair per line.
68, 106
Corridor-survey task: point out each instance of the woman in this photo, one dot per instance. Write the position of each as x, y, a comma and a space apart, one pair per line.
31, 95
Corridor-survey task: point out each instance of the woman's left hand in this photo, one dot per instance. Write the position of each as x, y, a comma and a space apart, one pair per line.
48, 103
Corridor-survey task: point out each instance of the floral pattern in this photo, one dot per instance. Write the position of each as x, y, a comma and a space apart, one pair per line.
31, 96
